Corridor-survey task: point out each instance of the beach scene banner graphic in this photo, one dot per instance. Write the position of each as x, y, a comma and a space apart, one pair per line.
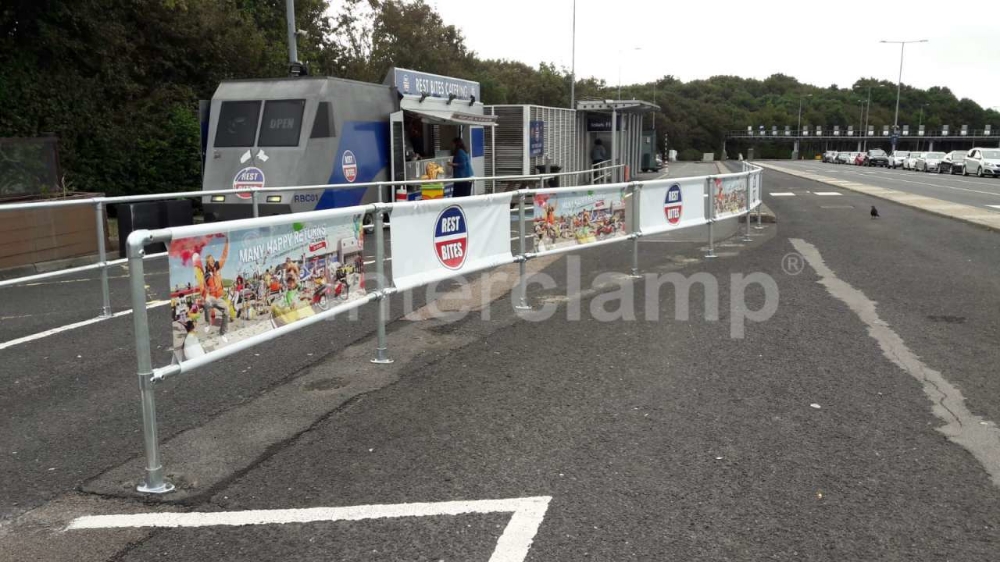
578, 217
231, 285
730, 196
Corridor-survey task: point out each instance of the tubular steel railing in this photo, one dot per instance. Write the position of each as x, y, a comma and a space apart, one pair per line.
154, 480
100, 207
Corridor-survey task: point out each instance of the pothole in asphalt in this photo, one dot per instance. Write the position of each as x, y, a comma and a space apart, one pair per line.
946, 319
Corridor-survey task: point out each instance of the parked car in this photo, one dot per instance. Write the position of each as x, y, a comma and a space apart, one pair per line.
830, 156
876, 157
898, 158
859, 158
911, 161
953, 163
929, 161
982, 162
843, 157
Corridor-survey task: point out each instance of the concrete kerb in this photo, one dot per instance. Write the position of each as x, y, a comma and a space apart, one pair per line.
957, 211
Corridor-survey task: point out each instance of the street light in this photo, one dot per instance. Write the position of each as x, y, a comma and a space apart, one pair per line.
868, 114
799, 126
920, 123
572, 68
899, 84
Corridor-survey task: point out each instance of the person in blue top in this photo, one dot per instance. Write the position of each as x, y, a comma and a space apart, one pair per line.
461, 166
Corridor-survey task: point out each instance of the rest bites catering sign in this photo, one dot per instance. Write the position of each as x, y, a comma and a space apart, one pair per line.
447, 237
413, 83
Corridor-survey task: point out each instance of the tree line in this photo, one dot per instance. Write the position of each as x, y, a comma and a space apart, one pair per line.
118, 81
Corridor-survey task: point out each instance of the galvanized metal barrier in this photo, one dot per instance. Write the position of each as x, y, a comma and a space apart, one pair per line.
154, 481
100, 207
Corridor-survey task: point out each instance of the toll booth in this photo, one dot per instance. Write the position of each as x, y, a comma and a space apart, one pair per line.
618, 124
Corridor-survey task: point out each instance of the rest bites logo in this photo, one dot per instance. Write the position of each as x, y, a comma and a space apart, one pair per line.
451, 237
246, 180
673, 205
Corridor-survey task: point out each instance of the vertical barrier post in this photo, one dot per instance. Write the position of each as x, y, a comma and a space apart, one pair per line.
758, 178
381, 356
102, 257
748, 214
711, 218
522, 282
256, 206
636, 188
153, 482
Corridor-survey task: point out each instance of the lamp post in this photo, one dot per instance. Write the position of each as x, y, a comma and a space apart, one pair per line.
868, 114
572, 67
798, 127
919, 124
861, 118
899, 84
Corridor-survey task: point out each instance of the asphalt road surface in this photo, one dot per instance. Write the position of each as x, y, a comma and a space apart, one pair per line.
978, 192
853, 422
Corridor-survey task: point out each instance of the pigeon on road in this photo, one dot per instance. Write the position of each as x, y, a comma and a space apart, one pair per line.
874, 212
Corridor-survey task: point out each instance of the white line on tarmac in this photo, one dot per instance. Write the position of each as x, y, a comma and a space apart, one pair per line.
977, 435
827, 193
512, 546
781, 194
53, 331
994, 206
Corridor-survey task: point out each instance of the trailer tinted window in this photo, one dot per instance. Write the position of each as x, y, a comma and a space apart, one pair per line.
237, 123
323, 125
281, 123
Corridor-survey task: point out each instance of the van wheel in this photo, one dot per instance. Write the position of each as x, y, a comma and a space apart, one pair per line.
979, 172
965, 170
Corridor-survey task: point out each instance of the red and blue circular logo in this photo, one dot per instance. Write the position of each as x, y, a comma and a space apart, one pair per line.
451, 237
247, 179
349, 165
672, 206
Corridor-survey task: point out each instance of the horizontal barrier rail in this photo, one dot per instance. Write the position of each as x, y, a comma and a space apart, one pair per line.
100, 204
430, 242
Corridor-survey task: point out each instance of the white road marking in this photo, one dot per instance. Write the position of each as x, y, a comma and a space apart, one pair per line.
994, 206
781, 194
974, 433
827, 193
369, 262
931, 184
513, 545
66, 328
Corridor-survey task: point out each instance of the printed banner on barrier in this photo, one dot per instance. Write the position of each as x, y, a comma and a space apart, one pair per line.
671, 204
755, 188
730, 196
576, 218
434, 240
234, 284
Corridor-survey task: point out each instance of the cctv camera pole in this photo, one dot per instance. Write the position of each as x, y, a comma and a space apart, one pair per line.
899, 85
293, 53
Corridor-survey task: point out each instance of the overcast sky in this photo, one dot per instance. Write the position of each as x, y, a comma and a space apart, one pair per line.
820, 43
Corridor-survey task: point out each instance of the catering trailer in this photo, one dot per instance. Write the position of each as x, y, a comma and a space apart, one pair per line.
308, 131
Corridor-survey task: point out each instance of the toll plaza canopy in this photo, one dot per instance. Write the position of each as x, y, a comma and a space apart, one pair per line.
619, 125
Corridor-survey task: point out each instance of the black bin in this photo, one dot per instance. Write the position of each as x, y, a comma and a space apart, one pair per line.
553, 169
150, 215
